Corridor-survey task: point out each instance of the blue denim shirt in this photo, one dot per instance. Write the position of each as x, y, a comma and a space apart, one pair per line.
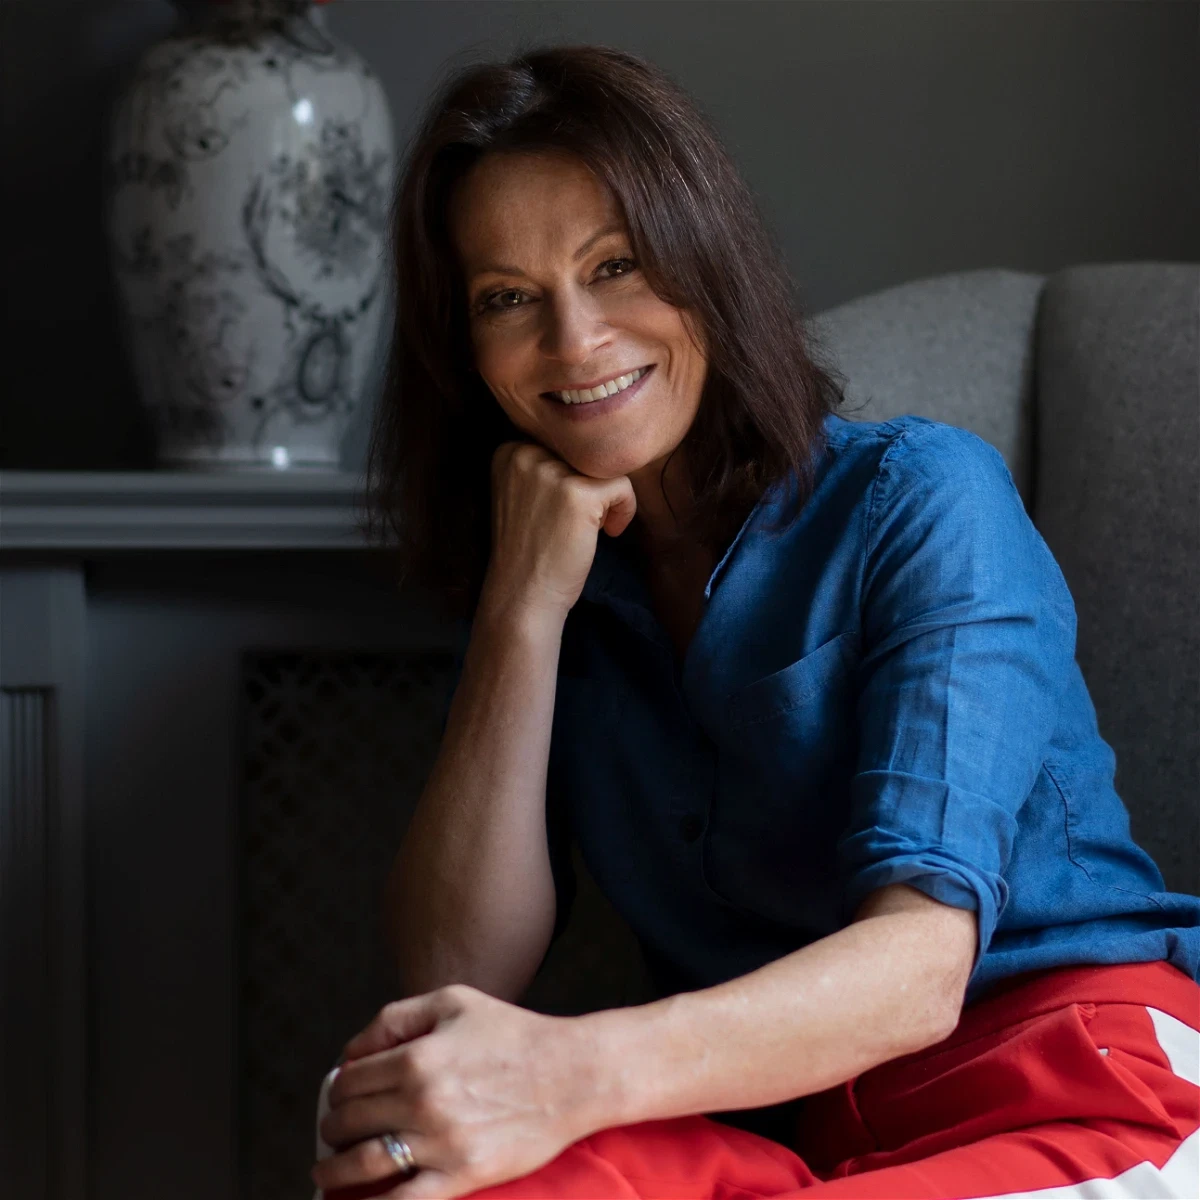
884, 692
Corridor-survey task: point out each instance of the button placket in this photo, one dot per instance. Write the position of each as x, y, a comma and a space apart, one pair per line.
692, 800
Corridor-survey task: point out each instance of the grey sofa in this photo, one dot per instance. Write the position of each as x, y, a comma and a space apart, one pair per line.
1088, 382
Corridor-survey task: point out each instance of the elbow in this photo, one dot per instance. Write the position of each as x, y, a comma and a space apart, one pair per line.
946, 1013
932, 948
939, 961
945, 998
922, 1016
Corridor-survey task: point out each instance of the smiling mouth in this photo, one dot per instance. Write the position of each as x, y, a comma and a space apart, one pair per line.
611, 387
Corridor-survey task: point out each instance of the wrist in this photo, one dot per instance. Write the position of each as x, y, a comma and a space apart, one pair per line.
509, 615
616, 1057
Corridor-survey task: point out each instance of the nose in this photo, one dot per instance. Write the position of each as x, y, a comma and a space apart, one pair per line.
574, 328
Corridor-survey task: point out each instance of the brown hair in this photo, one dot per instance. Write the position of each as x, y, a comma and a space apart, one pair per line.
698, 238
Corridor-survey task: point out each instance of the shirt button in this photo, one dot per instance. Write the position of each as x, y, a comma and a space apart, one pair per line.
690, 828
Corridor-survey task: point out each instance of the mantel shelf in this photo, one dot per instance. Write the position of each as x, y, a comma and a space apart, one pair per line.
84, 511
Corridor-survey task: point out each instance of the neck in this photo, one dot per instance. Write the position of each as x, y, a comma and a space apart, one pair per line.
664, 503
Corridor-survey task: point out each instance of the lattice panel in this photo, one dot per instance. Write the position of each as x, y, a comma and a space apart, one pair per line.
335, 750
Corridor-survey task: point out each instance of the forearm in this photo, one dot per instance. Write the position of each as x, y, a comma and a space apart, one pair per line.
471, 896
887, 985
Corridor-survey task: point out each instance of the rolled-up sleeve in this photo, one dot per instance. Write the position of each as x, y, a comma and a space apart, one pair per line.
968, 641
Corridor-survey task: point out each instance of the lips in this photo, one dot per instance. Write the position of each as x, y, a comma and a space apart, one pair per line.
553, 394
594, 410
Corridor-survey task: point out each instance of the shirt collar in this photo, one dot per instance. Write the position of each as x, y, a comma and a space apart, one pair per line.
615, 580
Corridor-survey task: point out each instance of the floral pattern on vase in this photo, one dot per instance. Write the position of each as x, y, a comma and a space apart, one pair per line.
249, 186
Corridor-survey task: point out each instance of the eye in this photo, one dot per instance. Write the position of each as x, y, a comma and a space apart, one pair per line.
496, 302
627, 263
493, 300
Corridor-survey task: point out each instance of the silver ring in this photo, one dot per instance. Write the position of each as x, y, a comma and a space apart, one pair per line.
398, 1151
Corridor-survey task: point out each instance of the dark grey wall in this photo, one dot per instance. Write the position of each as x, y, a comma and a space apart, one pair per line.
886, 141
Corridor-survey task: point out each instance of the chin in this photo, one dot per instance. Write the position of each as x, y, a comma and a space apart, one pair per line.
606, 466
608, 457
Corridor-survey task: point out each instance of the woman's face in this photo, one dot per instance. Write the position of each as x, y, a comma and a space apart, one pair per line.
557, 303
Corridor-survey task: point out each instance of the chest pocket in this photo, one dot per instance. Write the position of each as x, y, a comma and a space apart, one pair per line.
807, 684
782, 792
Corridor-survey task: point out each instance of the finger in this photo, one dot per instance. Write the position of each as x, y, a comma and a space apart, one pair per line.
521, 450
376, 1190
431, 1185
501, 456
363, 1117
366, 1162
398, 1022
379, 1072
360, 1191
622, 510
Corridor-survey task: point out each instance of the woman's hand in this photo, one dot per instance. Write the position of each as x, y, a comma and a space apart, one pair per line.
545, 520
481, 1090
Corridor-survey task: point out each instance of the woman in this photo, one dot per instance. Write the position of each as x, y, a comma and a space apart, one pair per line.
817, 725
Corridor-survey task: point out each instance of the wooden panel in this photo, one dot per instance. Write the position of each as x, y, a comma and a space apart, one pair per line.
24, 966
43, 1002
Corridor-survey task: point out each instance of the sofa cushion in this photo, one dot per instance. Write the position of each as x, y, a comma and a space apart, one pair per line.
955, 348
1117, 498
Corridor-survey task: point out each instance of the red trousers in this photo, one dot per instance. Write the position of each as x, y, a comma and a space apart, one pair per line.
1081, 1082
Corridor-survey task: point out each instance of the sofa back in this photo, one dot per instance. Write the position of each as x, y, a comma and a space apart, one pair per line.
1117, 499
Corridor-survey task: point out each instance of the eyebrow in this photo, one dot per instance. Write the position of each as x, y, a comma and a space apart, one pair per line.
500, 269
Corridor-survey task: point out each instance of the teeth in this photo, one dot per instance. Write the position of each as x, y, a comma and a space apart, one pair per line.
611, 388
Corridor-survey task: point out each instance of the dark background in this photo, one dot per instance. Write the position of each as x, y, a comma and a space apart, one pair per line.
886, 141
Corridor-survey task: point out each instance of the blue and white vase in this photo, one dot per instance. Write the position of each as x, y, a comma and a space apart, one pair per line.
250, 173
